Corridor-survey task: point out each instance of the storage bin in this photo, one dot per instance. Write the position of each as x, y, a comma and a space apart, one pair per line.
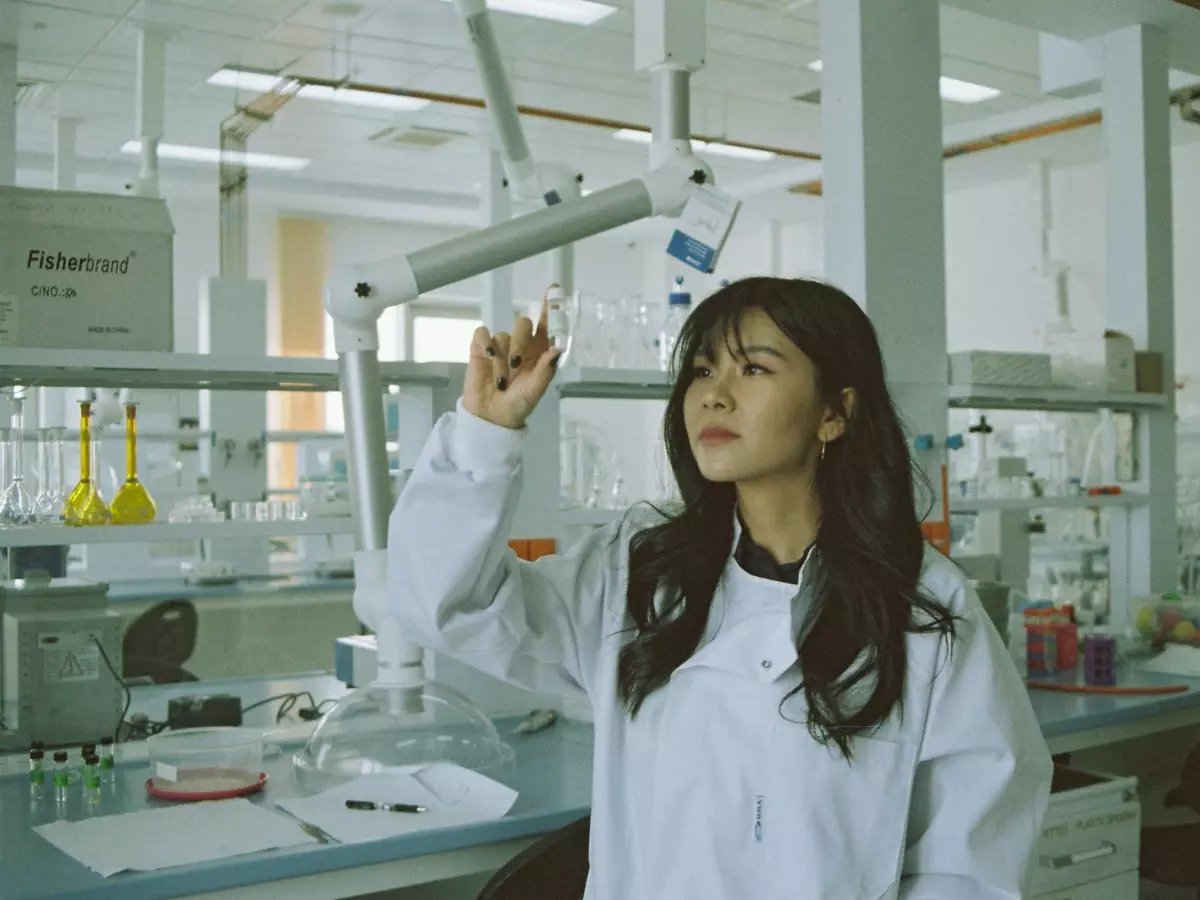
985, 367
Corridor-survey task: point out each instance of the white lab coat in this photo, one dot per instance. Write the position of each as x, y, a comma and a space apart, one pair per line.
710, 793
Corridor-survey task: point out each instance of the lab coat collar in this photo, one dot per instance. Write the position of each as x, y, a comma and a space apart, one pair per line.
756, 624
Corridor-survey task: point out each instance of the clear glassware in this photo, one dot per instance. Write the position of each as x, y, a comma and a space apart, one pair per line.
132, 504
84, 504
5, 468
48, 505
16, 507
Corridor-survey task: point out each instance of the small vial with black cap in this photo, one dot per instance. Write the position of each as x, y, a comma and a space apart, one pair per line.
62, 777
37, 771
91, 778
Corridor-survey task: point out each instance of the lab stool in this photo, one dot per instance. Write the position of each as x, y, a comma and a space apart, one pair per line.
554, 868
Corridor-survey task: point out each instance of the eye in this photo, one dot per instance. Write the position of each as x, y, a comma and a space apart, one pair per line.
701, 371
754, 369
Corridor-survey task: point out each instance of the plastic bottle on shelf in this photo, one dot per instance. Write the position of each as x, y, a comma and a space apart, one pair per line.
679, 304
1068, 638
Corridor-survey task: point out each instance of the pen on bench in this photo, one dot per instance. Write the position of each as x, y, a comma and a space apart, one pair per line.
384, 807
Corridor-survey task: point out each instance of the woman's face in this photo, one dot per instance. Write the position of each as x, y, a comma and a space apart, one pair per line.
757, 415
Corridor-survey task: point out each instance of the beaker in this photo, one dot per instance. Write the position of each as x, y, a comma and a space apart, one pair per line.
48, 505
16, 507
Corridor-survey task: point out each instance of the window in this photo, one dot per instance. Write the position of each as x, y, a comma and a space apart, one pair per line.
441, 338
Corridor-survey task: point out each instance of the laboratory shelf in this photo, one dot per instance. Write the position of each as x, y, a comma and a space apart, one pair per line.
1001, 504
51, 535
613, 384
169, 371
975, 396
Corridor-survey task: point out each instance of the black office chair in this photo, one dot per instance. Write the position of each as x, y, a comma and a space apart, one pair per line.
159, 641
554, 868
1170, 854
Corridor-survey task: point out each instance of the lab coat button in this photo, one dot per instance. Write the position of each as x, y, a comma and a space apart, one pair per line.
766, 664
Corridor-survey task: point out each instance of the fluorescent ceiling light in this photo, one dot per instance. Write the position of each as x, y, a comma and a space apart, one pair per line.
213, 155
751, 153
573, 12
965, 91
950, 88
246, 80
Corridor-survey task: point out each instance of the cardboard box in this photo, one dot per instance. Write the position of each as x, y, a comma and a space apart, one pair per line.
85, 271
1148, 372
984, 367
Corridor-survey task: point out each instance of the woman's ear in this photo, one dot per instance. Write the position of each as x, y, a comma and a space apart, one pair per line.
836, 421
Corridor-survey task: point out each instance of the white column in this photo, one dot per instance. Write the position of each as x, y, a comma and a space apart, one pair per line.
151, 104
1141, 302
773, 234
883, 193
8, 92
496, 304
65, 159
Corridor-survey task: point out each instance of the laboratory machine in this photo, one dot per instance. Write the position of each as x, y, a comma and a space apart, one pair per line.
60, 653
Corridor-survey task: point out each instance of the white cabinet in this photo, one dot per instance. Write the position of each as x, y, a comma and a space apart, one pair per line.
1091, 837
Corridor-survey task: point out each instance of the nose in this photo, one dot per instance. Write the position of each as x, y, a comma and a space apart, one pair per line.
716, 394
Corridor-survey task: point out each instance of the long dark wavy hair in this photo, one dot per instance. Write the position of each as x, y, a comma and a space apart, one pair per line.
869, 547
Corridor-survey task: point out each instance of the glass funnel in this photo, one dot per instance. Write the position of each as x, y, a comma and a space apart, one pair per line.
391, 726
16, 503
84, 504
48, 505
132, 505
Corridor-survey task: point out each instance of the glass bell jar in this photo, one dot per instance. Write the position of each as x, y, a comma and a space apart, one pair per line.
399, 722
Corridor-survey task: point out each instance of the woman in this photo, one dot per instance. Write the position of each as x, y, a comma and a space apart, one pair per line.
794, 697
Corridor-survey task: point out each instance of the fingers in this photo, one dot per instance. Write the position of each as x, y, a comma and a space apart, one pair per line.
481, 342
543, 325
543, 372
501, 374
522, 336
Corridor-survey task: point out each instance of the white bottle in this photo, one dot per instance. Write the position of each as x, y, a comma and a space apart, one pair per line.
558, 321
679, 306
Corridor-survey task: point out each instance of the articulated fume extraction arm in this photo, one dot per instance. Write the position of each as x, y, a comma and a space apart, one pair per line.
670, 45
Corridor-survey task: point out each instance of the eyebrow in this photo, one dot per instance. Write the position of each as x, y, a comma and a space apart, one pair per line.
750, 351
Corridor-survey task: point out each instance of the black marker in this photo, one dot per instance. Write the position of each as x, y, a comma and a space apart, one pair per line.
368, 806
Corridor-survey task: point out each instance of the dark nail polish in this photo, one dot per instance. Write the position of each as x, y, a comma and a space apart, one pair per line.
502, 382
554, 362
490, 350
515, 362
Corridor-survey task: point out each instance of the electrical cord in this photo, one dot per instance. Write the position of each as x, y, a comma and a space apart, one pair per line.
120, 681
290, 700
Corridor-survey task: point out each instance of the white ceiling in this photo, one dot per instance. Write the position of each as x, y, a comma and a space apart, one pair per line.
84, 51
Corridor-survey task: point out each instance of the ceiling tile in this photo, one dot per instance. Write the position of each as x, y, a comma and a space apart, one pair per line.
50, 34
192, 19
97, 7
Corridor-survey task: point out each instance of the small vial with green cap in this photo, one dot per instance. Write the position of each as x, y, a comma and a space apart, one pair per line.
62, 777
37, 772
91, 778
108, 761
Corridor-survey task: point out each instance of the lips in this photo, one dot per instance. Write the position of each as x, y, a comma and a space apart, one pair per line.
714, 434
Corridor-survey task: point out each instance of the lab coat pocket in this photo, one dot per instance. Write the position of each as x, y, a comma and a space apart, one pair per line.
841, 825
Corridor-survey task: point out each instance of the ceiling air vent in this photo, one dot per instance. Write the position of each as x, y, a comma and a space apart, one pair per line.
409, 137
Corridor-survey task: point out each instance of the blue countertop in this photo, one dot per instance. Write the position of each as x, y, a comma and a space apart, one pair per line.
551, 772
1064, 713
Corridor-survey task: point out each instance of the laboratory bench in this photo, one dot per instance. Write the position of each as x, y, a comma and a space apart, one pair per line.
151, 589
551, 771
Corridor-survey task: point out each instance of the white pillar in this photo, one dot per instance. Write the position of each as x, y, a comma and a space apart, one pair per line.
65, 159
8, 92
883, 193
151, 103
774, 238
496, 304
1141, 301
